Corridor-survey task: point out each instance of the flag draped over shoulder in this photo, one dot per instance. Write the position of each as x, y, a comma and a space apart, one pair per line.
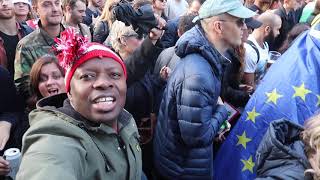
290, 89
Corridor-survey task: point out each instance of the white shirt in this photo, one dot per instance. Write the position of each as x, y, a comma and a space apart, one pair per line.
251, 57
175, 8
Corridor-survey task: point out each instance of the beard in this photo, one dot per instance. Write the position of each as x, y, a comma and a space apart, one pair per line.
7, 15
270, 39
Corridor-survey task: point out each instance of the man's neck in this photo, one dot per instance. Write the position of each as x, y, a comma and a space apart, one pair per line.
53, 31
69, 22
93, 8
286, 8
158, 12
260, 39
123, 55
217, 43
8, 26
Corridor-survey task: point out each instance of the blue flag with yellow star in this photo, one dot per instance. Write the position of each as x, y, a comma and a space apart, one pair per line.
290, 89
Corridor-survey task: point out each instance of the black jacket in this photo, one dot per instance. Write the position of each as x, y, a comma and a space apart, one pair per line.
288, 21
170, 35
280, 154
100, 32
142, 59
11, 110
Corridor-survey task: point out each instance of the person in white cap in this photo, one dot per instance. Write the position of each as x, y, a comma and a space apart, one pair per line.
10, 33
191, 112
22, 10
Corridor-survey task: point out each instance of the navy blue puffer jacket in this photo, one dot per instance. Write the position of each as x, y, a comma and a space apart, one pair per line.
189, 117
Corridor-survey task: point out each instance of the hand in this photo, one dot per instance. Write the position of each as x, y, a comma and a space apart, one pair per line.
4, 167
247, 88
5, 128
161, 22
165, 73
155, 34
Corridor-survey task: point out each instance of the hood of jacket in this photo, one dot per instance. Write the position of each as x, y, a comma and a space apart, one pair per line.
195, 41
281, 152
60, 105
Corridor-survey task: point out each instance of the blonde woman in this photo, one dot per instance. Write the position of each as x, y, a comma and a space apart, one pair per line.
290, 151
102, 27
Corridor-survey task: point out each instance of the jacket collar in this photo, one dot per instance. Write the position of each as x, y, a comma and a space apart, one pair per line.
61, 104
49, 41
195, 41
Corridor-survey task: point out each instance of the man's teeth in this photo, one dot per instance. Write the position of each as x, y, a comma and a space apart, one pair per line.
105, 99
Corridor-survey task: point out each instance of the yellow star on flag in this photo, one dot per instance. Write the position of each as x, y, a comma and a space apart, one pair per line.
248, 164
252, 115
301, 92
273, 96
243, 140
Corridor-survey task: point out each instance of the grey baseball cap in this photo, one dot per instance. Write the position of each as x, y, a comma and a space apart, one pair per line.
215, 7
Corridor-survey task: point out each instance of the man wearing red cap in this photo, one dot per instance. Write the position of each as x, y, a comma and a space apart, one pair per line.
85, 134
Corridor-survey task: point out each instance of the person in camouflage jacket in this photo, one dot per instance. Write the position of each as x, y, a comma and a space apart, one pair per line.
38, 43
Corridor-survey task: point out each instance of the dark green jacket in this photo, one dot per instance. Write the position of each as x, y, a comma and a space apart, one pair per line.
57, 146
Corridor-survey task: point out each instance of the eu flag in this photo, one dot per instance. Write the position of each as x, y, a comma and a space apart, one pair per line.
290, 89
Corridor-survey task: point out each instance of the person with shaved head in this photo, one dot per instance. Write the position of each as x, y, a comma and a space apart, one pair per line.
257, 48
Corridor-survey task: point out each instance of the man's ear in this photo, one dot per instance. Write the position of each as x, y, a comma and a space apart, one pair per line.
267, 29
69, 95
68, 9
216, 26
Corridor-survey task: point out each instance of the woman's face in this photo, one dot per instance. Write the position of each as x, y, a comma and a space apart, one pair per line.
98, 90
160, 4
131, 44
21, 9
51, 80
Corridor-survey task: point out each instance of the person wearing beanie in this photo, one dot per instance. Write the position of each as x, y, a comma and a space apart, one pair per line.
86, 133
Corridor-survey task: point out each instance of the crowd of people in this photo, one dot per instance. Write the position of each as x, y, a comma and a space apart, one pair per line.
144, 89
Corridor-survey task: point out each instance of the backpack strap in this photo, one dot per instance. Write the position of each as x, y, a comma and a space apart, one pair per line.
255, 48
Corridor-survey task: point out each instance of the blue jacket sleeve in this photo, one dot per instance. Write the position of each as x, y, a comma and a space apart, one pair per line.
199, 117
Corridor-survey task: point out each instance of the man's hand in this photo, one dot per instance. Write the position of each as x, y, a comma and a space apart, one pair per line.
247, 88
165, 73
155, 34
5, 128
4, 167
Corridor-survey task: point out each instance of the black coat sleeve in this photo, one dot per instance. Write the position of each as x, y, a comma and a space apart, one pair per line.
100, 32
142, 59
9, 101
140, 95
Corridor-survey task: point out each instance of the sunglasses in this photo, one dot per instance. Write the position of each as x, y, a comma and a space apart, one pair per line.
239, 22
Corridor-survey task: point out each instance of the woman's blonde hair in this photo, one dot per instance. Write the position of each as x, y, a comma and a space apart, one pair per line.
311, 139
118, 32
107, 15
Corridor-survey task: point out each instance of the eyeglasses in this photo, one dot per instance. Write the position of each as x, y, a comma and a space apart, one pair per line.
240, 22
